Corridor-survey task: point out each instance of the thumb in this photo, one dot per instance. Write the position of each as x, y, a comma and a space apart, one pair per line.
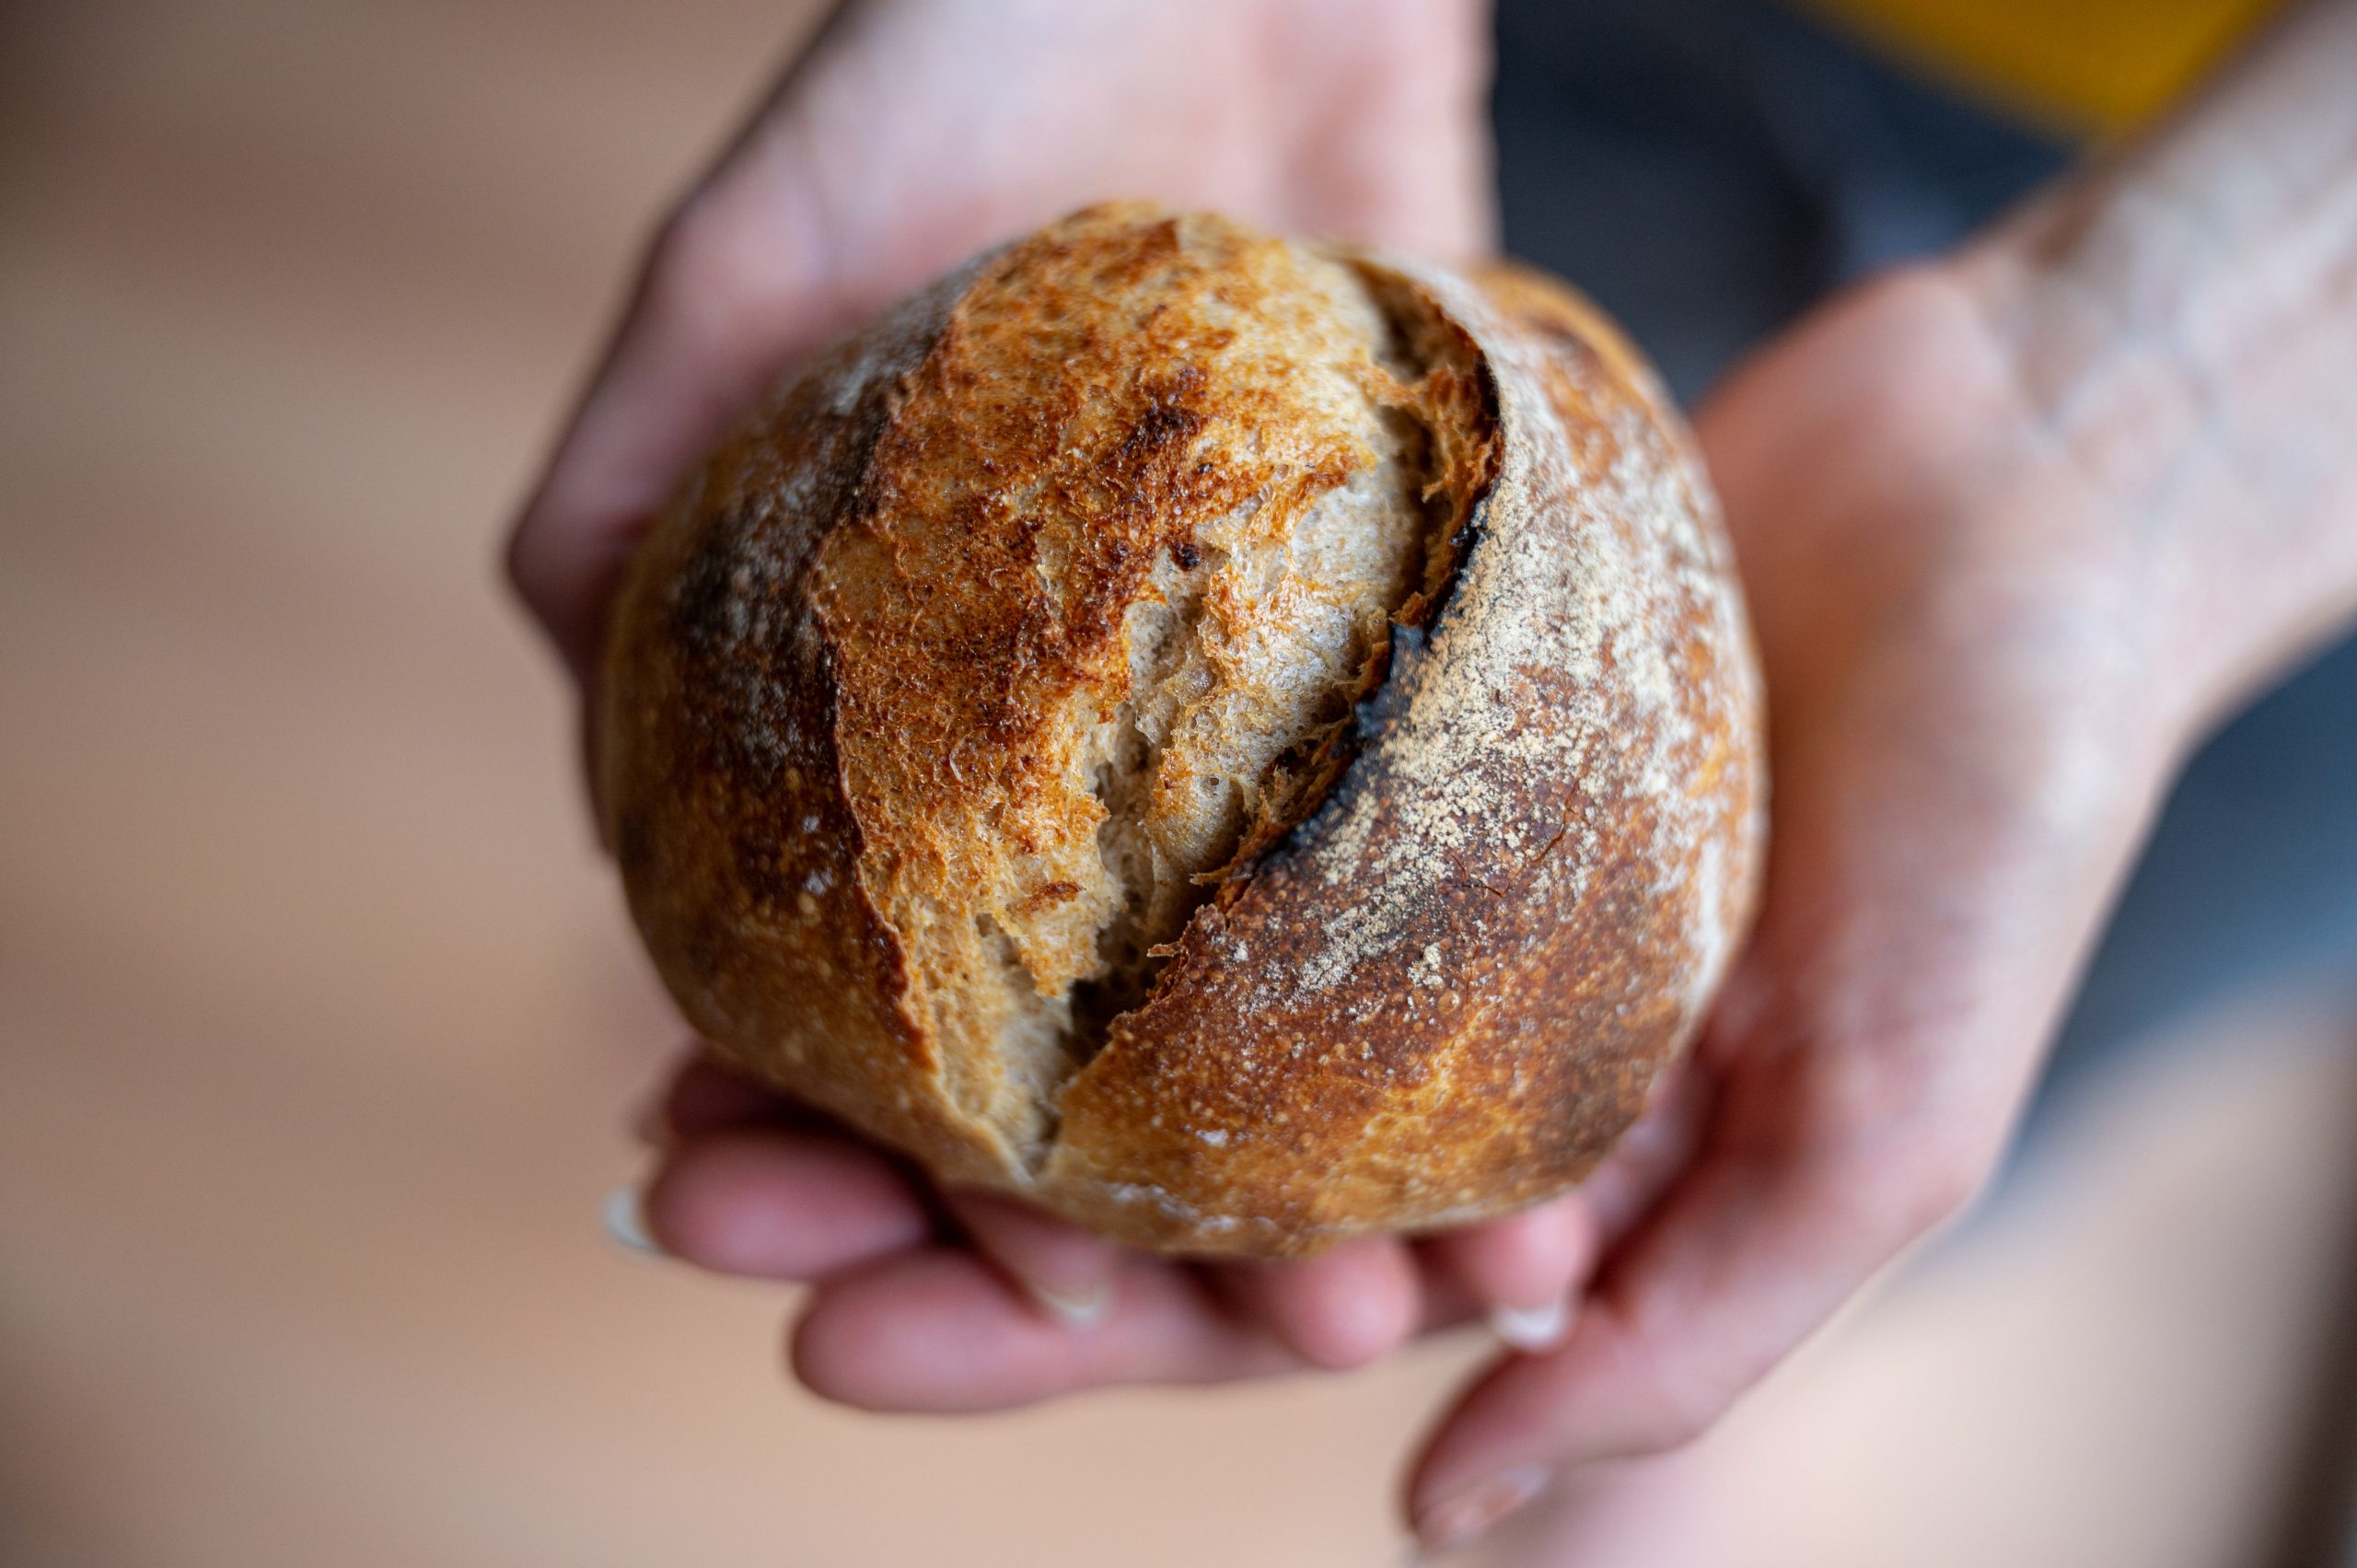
734, 289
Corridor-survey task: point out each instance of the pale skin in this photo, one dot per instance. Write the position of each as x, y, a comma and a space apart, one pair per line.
2017, 524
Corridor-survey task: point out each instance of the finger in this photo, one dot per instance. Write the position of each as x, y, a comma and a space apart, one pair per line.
739, 283
729, 294
939, 1329
1415, 64
746, 279
1751, 1252
1341, 1309
782, 1204
1066, 1272
1522, 1270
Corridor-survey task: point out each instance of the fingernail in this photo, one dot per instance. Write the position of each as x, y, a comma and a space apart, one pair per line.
1475, 1511
626, 1222
1532, 1329
1074, 1309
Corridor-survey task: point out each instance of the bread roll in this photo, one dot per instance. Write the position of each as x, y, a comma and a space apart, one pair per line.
1239, 743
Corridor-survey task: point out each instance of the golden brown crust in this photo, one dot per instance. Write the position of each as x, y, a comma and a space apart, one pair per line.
719, 774
841, 699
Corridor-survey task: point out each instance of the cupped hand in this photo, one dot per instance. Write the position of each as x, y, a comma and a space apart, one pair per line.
1955, 629
1958, 631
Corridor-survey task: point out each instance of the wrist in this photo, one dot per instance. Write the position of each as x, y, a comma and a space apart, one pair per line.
2179, 323
1894, 506
2102, 426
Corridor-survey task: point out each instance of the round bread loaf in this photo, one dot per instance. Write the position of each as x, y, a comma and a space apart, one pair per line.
1240, 743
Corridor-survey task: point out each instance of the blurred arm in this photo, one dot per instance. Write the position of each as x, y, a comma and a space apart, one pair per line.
2184, 322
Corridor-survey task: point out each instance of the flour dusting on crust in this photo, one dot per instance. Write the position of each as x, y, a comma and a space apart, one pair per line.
1242, 744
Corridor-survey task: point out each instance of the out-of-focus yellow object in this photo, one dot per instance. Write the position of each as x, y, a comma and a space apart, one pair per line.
2086, 67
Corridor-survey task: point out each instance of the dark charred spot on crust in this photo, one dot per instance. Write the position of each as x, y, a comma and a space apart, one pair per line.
1185, 556
699, 604
1169, 418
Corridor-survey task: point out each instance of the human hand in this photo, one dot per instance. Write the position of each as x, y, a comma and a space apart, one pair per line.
2016, 528
1956, 628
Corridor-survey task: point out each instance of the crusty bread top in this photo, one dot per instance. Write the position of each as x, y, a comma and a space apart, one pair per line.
1127, 546
1019, 647
1126, 552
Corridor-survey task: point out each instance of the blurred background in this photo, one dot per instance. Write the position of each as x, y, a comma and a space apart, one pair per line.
320, 1022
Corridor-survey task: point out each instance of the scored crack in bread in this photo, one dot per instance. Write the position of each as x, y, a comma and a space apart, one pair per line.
1129, 553
969, 704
